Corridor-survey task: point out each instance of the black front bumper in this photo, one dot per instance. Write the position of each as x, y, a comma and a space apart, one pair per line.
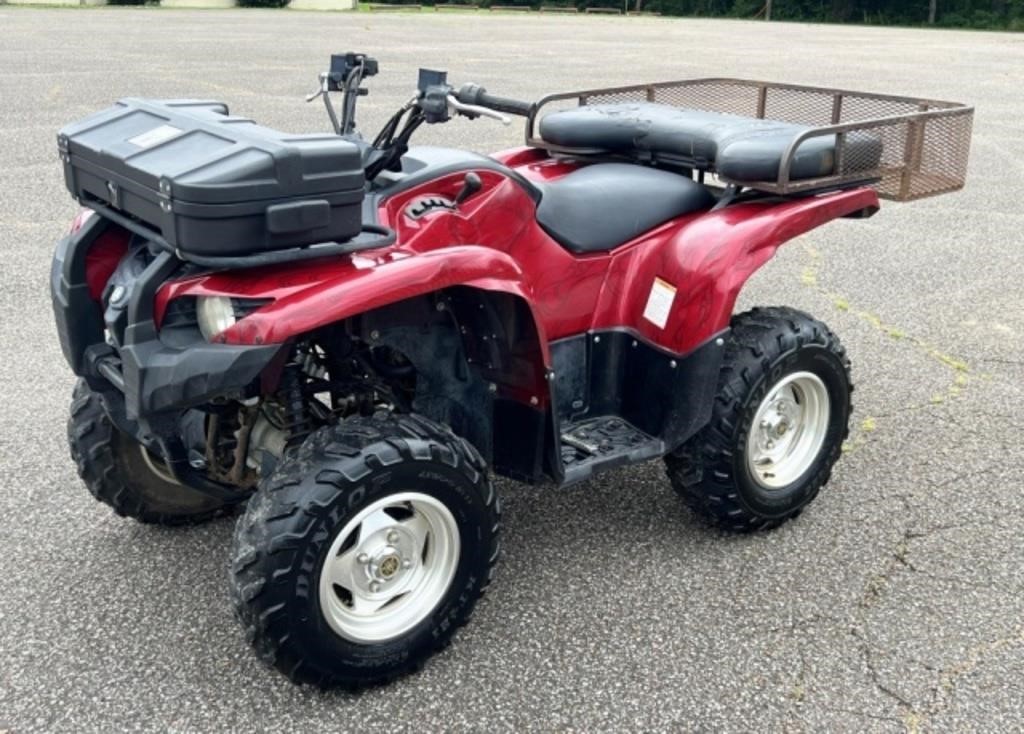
154, 377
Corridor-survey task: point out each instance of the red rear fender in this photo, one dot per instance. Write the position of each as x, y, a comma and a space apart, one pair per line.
708, 261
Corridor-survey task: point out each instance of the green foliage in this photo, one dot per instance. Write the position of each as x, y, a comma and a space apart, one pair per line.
989, 14
995, 14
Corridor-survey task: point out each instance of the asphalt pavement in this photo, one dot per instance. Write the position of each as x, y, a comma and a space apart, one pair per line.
893, 604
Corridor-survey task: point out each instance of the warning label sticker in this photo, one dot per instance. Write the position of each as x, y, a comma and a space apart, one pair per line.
659, 303
156, 136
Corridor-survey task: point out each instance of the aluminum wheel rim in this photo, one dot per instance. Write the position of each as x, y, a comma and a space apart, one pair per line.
788, 430
389, 567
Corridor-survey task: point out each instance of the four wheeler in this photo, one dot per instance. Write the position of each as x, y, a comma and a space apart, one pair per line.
350, 336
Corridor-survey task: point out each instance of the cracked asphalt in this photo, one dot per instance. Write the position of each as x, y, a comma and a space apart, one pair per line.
893, 604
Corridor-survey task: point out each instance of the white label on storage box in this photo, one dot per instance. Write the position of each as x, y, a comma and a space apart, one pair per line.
659, 303
155, 136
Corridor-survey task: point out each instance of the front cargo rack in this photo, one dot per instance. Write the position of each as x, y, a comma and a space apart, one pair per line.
925, 142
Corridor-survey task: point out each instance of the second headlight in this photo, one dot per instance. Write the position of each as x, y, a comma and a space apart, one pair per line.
215, 314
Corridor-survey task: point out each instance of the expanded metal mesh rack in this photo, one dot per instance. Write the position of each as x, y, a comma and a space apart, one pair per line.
925, 143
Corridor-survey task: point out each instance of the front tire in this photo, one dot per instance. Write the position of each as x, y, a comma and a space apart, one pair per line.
120, 472
365, 550
778, 424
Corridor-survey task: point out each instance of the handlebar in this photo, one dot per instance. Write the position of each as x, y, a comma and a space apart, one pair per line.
435, 101
474, 94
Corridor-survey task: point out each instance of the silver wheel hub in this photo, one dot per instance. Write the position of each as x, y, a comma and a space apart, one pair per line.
389, 567
788, 430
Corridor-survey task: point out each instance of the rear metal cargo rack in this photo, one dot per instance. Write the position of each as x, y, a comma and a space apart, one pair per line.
925, 142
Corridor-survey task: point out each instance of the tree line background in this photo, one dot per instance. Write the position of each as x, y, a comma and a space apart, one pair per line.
984, 14
1007, 14
991, 14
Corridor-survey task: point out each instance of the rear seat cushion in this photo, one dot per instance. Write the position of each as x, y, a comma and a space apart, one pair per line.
739, 148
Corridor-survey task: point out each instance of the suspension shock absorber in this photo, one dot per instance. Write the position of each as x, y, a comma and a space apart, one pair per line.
297, 418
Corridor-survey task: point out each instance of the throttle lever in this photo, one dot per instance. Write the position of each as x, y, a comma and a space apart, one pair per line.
472, 110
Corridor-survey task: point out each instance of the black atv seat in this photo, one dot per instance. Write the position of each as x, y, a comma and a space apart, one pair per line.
742, 149
604, 205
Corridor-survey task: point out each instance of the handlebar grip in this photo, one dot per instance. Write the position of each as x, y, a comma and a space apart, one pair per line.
476, 95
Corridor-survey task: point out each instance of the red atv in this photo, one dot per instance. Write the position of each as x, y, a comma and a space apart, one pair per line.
351, 335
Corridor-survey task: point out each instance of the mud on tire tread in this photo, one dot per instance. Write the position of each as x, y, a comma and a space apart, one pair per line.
702, 471
283, 521
96, 446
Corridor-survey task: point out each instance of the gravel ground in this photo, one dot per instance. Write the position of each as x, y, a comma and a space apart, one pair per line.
893, 603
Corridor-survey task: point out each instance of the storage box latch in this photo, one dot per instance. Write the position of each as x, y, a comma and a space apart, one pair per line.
298, 216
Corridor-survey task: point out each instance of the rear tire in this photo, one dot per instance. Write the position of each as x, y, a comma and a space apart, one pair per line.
118, 472
778, 424
365, 550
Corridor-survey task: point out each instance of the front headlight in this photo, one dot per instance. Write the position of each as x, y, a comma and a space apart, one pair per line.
215, 314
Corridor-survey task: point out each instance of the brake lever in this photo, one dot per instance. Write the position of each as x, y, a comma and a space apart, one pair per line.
321, 91
472, 110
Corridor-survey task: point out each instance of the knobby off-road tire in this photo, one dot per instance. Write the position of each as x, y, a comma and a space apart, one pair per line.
769, 352
294, 536
117, 472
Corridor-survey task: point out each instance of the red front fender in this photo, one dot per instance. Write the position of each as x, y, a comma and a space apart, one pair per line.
308, 298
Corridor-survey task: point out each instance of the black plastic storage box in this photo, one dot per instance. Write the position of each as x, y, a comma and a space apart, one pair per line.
212, 184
